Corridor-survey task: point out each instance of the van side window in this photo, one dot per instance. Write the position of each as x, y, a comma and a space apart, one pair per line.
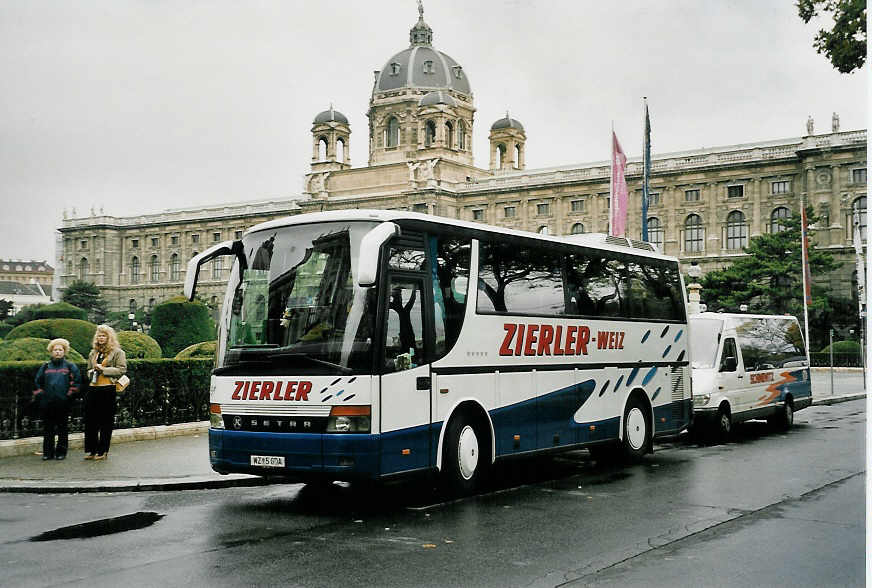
729, 357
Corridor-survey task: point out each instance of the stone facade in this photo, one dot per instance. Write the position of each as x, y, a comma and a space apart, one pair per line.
26, 272
705, 204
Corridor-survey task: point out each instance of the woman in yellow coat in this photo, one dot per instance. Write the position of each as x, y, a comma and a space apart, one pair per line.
106, 363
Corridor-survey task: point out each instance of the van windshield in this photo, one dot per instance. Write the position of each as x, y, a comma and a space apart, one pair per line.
704, 340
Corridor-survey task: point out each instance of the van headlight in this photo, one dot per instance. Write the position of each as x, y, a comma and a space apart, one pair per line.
349, 419
701, 399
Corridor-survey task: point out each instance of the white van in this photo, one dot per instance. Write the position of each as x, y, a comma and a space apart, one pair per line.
746, 366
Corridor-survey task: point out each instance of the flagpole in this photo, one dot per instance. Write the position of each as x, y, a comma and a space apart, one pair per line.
646, 167
806, 286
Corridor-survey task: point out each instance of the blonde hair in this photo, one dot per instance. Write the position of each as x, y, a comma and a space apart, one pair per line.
62, 342
111, 339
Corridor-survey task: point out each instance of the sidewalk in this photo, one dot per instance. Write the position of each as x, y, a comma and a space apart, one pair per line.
176, 457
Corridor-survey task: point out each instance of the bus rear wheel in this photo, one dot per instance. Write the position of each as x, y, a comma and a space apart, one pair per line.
637, 430
463, 462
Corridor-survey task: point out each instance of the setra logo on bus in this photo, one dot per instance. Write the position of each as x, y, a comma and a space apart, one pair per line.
269, 390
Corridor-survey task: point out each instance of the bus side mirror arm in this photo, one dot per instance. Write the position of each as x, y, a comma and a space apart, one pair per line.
370, 245
193, 271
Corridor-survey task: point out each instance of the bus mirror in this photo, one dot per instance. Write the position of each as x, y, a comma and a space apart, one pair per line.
370, 245
193, 271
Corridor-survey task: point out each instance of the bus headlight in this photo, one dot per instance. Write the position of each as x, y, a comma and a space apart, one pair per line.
701, 399
216, 421
349, 419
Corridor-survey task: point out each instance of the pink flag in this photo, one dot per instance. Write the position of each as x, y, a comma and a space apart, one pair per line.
619, 195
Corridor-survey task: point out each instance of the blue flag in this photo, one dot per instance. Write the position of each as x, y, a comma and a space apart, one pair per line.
646, 173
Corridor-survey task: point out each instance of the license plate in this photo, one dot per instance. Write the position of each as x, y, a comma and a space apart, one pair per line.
268, 461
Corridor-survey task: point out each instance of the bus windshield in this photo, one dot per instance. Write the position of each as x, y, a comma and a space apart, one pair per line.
293, 305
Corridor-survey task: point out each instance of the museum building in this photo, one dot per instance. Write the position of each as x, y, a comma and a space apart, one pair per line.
704, 204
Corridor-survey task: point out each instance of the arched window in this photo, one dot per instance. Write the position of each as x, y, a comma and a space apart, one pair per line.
174, 267
322, 149
501, 155
517, 164
392, 133
544, 230
151, 303
131, 306
449, 134
655, 232
858, 208
83, 268
461, 135
340, 150
154, 269
776, 224
737, 230
693, 234
429, 133
134, 270
577, 229
217, 268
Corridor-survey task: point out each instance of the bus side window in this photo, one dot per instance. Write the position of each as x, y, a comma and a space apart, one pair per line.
404, 336
450, 284
729, 357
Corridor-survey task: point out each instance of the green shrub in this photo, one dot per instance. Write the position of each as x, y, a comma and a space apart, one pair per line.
204, 349
843, 347
138, 345
79, 333
31, 349
5, 328
177, 323
60, 310
161, 392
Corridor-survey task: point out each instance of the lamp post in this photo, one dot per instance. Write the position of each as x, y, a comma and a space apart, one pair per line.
694, 288
130, 317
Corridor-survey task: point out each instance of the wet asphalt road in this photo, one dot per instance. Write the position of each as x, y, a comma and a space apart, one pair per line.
768, 509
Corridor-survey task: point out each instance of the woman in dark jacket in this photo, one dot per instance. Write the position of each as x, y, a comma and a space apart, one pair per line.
56, 381
106, 363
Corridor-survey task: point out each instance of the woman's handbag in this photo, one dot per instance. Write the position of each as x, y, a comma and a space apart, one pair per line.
122, 383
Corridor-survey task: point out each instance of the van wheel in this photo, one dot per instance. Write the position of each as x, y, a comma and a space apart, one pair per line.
463, 464
783, 420
637, 430
723, 425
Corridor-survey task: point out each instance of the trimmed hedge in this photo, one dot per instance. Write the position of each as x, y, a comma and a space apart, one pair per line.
161, 392
138, 345
843, 347
204, 349
177, 323
31, 349
60, 310
78, 332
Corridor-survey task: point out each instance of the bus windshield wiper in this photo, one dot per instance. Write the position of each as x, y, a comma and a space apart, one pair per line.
290, 355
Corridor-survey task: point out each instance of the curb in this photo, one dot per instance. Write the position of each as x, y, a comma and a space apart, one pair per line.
28, 445
837, 399
156, 485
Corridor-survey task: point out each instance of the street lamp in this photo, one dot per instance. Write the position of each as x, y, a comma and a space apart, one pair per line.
693, 289
130, 317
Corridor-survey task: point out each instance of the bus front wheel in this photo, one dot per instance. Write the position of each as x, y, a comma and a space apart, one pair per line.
463, 463
637, 430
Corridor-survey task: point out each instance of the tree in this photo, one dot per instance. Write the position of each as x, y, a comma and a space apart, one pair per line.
769, 278
86, 296
845, 44
177, 323
5, 309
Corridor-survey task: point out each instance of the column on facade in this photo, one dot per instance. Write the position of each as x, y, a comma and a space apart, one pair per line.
756, 226
710, 222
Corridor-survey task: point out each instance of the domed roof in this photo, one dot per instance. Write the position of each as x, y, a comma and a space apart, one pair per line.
507, 123
437, 97
330, 115
421, 66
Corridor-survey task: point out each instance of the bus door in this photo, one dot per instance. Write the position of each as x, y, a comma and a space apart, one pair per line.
406, 379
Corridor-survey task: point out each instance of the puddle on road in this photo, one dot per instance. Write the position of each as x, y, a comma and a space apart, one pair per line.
131, 522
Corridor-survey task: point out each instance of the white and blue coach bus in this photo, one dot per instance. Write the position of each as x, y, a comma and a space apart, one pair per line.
372, 344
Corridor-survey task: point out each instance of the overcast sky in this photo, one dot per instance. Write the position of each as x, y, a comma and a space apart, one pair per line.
140, 106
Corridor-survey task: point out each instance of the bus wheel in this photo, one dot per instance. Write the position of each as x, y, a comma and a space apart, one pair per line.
637, 430
463, 464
